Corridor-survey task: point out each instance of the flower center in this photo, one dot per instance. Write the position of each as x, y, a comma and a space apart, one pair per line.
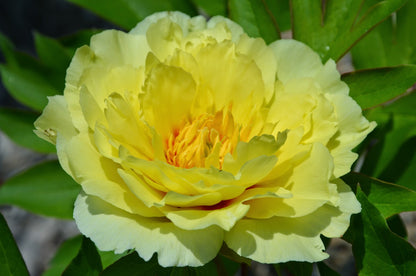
202, 142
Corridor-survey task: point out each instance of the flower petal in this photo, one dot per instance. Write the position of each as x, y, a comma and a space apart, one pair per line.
276, 240
169, 93
98, 176
113, 229
222, 216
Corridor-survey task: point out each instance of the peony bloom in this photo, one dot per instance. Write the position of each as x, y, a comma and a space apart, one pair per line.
185, 134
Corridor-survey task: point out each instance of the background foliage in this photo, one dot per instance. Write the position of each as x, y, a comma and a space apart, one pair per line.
377, 35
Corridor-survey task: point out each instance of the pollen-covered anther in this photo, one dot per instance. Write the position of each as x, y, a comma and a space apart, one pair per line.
205, 137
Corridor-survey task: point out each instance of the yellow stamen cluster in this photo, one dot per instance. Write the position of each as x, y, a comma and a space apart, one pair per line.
203, 141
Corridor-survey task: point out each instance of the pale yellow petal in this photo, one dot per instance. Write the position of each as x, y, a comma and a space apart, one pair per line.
98, 176
309, 183
112, 229
353, 128
222, 216
234, 29
276, 240
90, 108
144, 192
55, 119
186, 23
83, 59
194, 181
240, 85
295, 60
263, 56
119, 48
169, 93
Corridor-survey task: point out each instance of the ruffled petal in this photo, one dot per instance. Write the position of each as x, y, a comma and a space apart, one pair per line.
276, 240
113, 229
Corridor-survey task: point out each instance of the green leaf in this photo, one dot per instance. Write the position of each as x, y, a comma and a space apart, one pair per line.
18, 125
376, 86
212, 7
227, 266
391, 43
69, 250
43, 189
52, 53
7, 49
73, 41
27, 86
377, 250
332, 27
295, 268
87, 261
255, 17
63, 257
397, 226
109, 257
391, 151
388, 198
27, 79
281, 11
133, 265
11, 261
127, 13
325, 270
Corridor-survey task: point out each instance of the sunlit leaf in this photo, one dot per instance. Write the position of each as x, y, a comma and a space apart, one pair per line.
11, 261
332, 27
376, 249
388, 198
86, 262
255, 17
18, 125
391, 43
376, 86
43, 189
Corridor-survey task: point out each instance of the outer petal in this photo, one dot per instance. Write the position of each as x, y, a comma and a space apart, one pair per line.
353, 128
348, 205
119, 48
276, 240
295, 60
309, 184
55, 126
113, 229
55, 120
186, 23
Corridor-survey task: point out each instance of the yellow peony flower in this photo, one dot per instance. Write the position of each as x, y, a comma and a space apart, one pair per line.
185, 134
